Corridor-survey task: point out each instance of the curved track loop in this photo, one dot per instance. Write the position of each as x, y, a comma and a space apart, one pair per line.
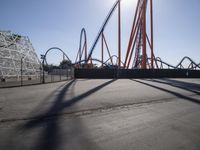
83, 48
92, 59
111, 58
192, 65
54, 48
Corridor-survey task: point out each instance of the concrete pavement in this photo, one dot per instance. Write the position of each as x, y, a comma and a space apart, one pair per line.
102, 114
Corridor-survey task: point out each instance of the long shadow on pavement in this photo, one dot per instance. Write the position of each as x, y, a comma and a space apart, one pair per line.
191, 87
51, 135
194, 85
197, 101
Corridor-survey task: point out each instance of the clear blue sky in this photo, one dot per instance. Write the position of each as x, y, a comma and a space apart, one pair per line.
58, 23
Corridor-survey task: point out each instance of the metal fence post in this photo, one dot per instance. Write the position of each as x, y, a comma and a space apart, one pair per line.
21, 71
60, 73
40, 72
43, 80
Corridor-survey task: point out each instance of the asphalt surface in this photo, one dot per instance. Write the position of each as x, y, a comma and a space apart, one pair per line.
155, 114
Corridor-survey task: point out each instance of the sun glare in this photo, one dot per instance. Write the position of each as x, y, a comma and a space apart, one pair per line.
129, 2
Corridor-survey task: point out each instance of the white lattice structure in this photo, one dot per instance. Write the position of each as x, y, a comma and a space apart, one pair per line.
14, 49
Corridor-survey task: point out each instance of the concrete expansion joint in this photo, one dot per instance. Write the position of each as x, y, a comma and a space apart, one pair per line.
91, 111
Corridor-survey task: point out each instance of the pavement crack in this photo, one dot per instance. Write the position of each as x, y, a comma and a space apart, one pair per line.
90, 111
85, 112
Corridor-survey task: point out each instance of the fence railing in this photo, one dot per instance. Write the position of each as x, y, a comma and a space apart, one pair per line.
49, 76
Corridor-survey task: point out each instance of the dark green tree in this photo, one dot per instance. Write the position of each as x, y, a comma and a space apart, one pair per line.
65, 64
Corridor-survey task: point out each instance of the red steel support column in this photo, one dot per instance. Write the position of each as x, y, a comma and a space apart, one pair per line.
107, 49
144, 53
131, 53
152, 44
132, 33
119, 35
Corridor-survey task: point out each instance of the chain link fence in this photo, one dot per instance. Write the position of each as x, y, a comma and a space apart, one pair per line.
48, 75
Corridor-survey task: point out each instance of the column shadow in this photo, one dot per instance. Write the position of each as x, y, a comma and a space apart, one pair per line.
51, 135
191, 87
178, 95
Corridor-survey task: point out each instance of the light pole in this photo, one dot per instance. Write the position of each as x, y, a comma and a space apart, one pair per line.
43, 58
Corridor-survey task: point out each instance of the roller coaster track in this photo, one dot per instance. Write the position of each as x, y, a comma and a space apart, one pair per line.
83, 48
11, 40
102, 28
137, 42
138, 23
192, 65
17, 55
111, 58
100, 33
92, 59
51, 49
